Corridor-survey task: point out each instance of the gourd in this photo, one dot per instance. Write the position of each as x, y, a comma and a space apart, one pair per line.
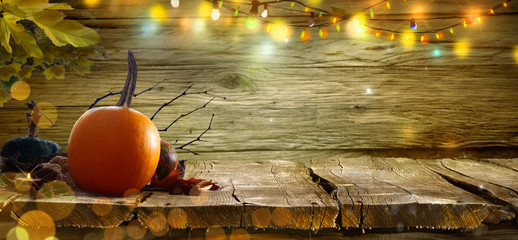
112, 150
25, 153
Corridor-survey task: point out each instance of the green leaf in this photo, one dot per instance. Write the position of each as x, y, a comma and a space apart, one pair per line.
14, 10
62, 32
57, 71
5, 35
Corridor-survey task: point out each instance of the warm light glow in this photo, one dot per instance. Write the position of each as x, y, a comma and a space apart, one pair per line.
306, 9
91, 3
304, 35
505, 4
356, 26
387, 5
516, 54
28, 175
338, 27
322, 33
392, 37
423, 39
372, 13
438, 35
461, 49
491, 11
215, 14
408, 39
280, 32
334, 20
205, 9
451, 30
20, 90
175, 3
368, 91
158, 13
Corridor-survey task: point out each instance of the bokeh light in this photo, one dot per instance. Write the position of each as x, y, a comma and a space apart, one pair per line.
281, 216
204, 9
177, 218
136, 230
175, 3
130, 196
280, 32
356, 26
49, 114
157, 224
91, 3
408, 40
38, 224
102, 206
461, 49
115, 233
20, 90
516, 54
251, 23
261, 218
17, 233
239, 234
158, 12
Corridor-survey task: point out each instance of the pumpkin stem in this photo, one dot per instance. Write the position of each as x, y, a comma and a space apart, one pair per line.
131, 82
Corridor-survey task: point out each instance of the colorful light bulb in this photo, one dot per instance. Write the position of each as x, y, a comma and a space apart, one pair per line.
175, 3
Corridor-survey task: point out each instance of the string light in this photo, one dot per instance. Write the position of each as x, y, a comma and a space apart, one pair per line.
311, 21
215, 10
413, 25
265, 11
175, 3
337, 15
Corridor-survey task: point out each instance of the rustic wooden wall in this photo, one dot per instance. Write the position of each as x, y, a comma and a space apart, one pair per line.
297, 100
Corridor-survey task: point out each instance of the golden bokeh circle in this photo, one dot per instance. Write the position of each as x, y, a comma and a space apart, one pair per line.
17, 233
157, 224
38, 224
177, 218
239, 234
136, 230
102, 206
115, 233
281, 216
261, 218
130, 196
20, 90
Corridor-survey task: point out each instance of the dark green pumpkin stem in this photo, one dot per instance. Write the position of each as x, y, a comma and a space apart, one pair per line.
131, 82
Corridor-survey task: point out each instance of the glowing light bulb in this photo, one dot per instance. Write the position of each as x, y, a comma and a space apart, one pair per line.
387, 5
265, 11
392, 37
413, 25
451, 30
251, 23
436, 52
236, 12
378, 33
368, 91
215, 14
491, 11
175, 3
505, 4
338, 27
372, 13
334, 20
322, 33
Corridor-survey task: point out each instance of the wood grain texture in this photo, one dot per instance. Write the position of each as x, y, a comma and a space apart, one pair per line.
494, 182
399, 193
296, 96
269, 194
80, 209
7, 196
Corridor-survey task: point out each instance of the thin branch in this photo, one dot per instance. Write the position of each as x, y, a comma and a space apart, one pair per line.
184, 93
103, 97
186, 114
197, 139
149, 89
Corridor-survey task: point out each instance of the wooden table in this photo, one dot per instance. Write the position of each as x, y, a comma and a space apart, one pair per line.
332, 195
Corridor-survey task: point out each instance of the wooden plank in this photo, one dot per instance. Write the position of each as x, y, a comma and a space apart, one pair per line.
7, 196
511, 163
496, 183
79, 209
399, 193
258, 194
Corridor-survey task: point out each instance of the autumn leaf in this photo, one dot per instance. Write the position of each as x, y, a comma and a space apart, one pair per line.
57, 71
62, 32
6, 72
33, 6
4, 96
5, 35
81, 65
25, 72
23, 38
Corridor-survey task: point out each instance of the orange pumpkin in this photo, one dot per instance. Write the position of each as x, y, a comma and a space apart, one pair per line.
114, 149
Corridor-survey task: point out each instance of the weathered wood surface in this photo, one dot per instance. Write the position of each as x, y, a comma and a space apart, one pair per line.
496, 183
399, 193
268, 194
296, 97
79, 209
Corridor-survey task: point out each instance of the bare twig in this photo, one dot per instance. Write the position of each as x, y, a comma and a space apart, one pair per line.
197, 139
185, 115
103, 97
118, 93
184, 93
